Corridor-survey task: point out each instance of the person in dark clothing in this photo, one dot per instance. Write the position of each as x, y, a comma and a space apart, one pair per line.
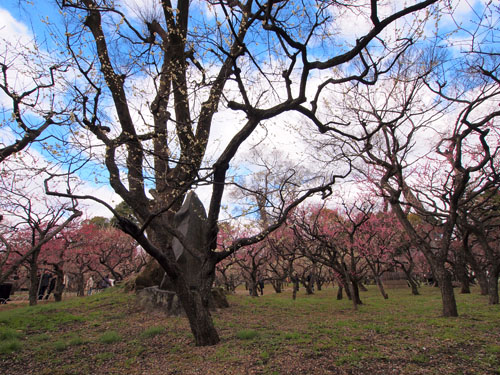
44, 283
261, 286
105, 282
52, 285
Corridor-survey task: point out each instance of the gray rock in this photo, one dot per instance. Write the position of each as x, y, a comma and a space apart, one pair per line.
191, 221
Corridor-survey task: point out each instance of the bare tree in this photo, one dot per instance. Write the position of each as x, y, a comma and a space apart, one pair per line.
255, 57
433, 184
29, 220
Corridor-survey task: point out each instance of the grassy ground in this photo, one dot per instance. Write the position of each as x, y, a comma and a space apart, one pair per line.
109, 334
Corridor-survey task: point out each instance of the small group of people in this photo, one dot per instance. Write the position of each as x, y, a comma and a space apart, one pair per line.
47, 284
93, 286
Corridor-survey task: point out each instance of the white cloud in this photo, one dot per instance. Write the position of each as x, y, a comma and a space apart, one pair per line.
11, 29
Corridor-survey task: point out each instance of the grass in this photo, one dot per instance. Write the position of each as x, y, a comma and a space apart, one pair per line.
152, 331
247, 334
110, 337
108, 333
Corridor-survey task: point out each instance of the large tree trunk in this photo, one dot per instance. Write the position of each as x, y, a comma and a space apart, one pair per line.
493, 285
277, 285
309, 287
34, 284
59, 288
196, 303
252, 288
447, 293
482, 280
196, 306
355, 293
461, 271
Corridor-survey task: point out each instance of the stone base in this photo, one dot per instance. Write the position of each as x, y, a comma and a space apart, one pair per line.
155, 298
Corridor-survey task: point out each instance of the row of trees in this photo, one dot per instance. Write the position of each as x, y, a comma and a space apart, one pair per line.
80, 250
137, 91
355, 245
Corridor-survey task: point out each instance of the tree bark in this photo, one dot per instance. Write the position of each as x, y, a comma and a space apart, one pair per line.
34, 284
447, 293
252, 288
59, 288
411, 282
381, 287
308, 286
196, 304
479, 272
295, 288
277, 285
493, 286
355, 290
482, 280
319, 284
413, 286
339, 293
461, 271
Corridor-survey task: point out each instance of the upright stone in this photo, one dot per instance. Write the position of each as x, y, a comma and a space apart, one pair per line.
191, 221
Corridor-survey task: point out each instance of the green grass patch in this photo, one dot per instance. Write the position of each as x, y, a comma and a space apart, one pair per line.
152, 331
420, 358
9, 334
493, 349
110, 337
10, 346
43, 337
76, 340
60, 345
247, 334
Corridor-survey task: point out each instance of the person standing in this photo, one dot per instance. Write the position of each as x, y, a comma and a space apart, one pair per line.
261, 286
44, 283
90, 285
52, 285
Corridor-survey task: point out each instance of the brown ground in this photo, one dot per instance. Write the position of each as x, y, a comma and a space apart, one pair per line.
312, 335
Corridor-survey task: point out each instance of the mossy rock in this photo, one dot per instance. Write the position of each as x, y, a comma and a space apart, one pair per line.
151, 275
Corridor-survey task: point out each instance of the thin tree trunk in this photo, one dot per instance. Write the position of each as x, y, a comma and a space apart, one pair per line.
295, 288
411, 282
339, 293
413, 286
80, 285
478, 271
319, 284
381, 287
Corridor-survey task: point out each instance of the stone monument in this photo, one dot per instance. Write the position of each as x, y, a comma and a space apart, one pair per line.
191, 221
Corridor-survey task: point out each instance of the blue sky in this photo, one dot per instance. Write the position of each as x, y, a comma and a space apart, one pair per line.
30, 19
